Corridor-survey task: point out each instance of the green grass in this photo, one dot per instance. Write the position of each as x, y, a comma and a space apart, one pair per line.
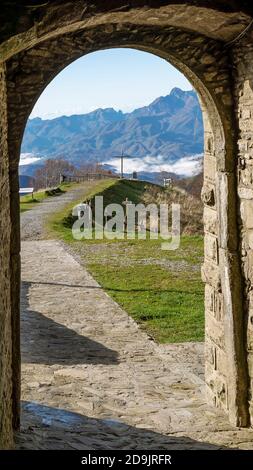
169, 305
61, 222
161, 290
121, 189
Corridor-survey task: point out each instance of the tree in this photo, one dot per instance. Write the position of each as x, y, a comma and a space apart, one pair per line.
48, 175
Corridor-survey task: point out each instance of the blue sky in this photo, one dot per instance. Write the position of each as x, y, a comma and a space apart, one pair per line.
123, 79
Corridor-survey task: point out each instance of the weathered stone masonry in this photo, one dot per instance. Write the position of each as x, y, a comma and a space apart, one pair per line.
5, 278
243, 60
222, 76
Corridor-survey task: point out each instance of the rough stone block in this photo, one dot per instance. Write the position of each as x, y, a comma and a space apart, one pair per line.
218, 388
243, 145
209, 164
210, 274
246, 113
245, 193
250, 327
215, 331
248, 266
211, 247
210, 220
208, 194
250, 238
227, 211
209, 298
221, 361
214, 302
210, 354
250, 365
245, 176
246, 211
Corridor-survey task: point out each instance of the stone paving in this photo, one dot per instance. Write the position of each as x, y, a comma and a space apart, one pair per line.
92, 379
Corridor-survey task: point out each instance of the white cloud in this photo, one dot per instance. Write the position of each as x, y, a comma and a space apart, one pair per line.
185, 166
27, 158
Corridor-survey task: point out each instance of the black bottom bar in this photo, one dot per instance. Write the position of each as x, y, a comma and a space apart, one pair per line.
121, 459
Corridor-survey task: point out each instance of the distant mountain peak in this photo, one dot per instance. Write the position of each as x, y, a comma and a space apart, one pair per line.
181, 94
170, 126
176, 97
177, 92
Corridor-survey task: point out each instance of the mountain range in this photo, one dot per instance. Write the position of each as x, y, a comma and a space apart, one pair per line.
171, 127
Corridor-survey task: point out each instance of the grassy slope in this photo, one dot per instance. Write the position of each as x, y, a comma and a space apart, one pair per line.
60, 222
162, 290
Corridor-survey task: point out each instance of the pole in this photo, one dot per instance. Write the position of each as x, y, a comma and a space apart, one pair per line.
121, 163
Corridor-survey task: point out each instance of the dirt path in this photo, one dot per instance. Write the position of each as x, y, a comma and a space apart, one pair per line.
32, 221
91, 379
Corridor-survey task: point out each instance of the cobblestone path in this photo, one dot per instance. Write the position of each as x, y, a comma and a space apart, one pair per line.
91, 379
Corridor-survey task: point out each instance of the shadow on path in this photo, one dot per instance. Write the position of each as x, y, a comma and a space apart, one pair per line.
106, 288
45, 427
44, 341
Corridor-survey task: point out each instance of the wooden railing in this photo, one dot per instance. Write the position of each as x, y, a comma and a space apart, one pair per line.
86, 177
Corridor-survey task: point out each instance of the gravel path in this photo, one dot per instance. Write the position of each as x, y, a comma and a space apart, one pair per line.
32, 221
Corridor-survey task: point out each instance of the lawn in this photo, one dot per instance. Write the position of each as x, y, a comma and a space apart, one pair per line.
161, 290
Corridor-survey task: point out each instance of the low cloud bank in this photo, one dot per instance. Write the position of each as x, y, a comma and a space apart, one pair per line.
185, 166
28, 158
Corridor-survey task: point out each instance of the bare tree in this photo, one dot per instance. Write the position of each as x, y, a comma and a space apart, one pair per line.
48, 176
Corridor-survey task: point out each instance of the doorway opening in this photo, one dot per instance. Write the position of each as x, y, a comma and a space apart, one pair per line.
218, 218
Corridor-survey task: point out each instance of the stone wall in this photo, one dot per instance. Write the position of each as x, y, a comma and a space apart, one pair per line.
243, 59
5, 279
226, 375
216, 360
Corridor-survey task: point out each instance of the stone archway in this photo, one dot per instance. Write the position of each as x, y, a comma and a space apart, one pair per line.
30, 66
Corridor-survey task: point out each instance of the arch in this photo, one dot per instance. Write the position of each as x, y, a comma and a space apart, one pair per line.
216, 19
194, 61
32, 62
